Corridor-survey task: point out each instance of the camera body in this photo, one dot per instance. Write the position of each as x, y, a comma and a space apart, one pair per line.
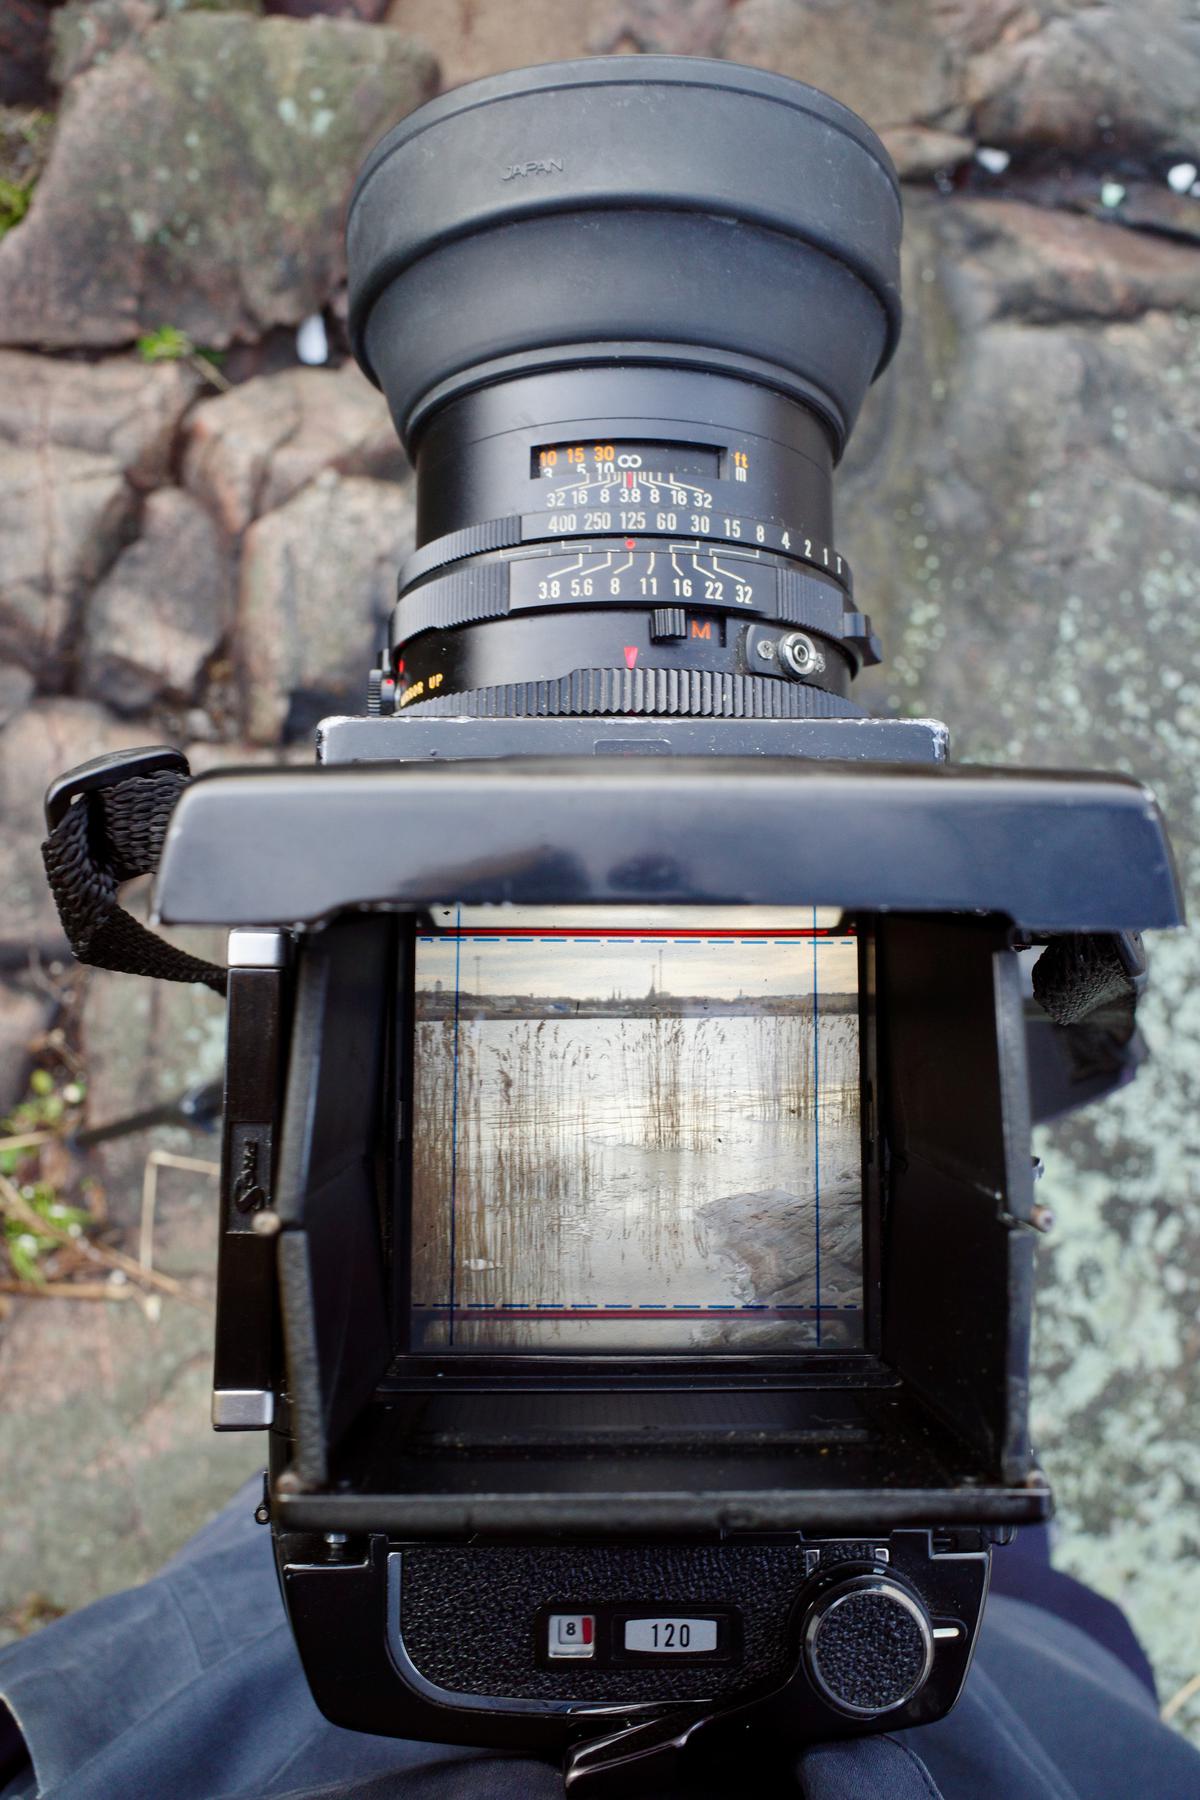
627, 1197
482, 1549
816, 1523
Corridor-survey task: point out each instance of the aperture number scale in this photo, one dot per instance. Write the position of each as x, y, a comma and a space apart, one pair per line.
674, 574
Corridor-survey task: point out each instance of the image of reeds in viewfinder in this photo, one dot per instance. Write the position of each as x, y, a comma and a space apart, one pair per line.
636, 1133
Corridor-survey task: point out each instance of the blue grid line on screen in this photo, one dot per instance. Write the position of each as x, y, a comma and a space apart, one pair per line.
458, 937
816, 1130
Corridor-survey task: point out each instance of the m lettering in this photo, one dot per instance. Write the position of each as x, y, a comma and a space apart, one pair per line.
702, 629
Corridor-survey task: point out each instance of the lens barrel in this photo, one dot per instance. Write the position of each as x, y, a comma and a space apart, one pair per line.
625, 312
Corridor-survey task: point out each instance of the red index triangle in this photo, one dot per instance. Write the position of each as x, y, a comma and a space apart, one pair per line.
631, 656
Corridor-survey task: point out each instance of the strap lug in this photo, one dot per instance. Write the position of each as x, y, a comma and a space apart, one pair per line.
107, 771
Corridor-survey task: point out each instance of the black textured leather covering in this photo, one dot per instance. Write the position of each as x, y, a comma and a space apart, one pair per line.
467, 1617
869, 1653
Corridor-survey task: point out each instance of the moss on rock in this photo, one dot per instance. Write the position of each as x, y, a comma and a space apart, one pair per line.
200, 176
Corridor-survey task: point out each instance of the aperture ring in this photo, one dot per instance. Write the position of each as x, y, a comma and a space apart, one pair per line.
696, 693
472, 540
508, 584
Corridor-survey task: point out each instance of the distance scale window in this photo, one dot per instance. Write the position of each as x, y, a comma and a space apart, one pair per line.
614, 482
623, 463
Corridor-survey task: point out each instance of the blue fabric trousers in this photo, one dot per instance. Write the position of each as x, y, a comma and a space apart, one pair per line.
190, 1688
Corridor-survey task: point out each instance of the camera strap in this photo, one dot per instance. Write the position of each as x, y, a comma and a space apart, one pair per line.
107, 820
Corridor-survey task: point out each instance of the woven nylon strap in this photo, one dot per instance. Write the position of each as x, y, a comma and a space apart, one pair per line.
105, 838
1087, 975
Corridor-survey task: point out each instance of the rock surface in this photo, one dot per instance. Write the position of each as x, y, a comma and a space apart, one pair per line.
40, 743
318, 580
369, 11
1004, 258
1021, 504
129, 1394
1078, 78
25, 1013
1028, 75
62, 516
471, 40
88, 31
912, 76
24, 52
198, 179
122, 408
919, 152
767, 1238
163, 609
16, 690
145, 1042
251, 449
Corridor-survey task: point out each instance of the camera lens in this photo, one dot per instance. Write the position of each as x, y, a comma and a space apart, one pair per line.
625, 312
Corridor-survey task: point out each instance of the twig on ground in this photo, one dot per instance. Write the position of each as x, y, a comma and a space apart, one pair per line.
210, 372
1179, 1700
67, 1290
163, 1159
17, 1207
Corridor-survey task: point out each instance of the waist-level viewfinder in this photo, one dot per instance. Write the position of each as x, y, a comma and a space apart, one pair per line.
632, 1046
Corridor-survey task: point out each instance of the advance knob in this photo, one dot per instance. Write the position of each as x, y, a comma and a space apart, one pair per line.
868, 1645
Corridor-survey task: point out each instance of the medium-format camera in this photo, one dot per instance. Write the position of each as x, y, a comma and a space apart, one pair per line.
628, 1206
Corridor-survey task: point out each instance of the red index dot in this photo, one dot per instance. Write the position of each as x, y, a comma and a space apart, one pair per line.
631, 543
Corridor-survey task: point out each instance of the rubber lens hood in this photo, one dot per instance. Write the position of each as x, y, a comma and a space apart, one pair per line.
626, 209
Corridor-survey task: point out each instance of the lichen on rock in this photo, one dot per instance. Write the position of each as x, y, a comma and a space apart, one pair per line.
199, 178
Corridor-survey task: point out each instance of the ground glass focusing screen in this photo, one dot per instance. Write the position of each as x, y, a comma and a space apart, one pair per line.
636, 1133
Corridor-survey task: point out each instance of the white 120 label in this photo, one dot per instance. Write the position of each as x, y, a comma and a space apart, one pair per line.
692, 1637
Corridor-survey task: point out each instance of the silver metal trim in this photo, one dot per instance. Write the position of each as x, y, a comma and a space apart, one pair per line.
890, 1590
242, 1409
440, 1696
256, 949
